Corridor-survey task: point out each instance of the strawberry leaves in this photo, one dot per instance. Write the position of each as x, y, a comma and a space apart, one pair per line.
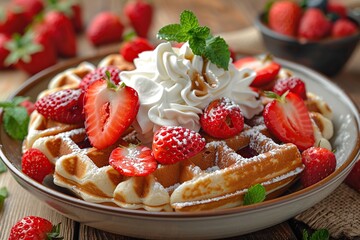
200, 40
15, 118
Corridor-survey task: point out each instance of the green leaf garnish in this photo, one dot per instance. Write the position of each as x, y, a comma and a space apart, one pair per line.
321, 234
255, 194
2, 166
3, 195
200, 40
15, 118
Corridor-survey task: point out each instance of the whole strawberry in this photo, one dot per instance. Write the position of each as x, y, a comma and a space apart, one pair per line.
292, 84
100, 73
105, 28
314, 25
62, 33
64, 106
32, 52
319, 163
36, 165
4, 52
31, 8
140, 14
133, 160
222, 118
343, 28
353, 179
12, 20
284, 17
337, 8
34, 228
130, 50
174, 144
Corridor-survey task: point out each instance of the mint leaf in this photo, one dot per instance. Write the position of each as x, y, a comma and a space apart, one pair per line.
188, 20
3, 195
172, 32
255, 194
197, 45
2, 166
200, 32
217, 51
320, 234
16, 122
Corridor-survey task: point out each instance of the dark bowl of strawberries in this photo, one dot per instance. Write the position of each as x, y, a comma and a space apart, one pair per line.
319, 34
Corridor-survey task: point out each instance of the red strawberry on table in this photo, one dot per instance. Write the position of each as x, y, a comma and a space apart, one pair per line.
174, 144
100, 73
287, 118
36, 165
222, 118
319, 163
140, 15
284, 17
32, 52
266, 69
4, 52
343, 28
109, 111
76, 17
314, 25
12, 20
353, 179
62, 33
337, 8
105, 28
130, 50
34, 228
64, 106
31, 8
292, 84
133, 160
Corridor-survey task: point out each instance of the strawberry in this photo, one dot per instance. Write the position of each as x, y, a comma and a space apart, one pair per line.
266, 69
140, 15
284, 17
100, 73
30, 106
292, 84
64, 106
222, 118
76, 17
314, 25
34, 228
4, 52
109, 111
232, 54
130, 50
337, 8
133, 160
287, 118
319, 163
105, 28
353, 179
12, 20
32, 52
343, 28
36, 165
62, 33
31, 8
174, 144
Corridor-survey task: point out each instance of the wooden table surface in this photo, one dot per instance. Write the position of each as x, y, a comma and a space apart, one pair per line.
233, 19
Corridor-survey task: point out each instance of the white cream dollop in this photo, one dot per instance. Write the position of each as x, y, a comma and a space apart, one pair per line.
174, 86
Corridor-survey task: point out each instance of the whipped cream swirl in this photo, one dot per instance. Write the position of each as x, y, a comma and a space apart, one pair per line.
174, 86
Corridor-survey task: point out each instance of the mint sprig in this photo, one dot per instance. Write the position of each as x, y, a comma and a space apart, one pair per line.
201, 42
255, 194
320, 234
3, 195
15, 118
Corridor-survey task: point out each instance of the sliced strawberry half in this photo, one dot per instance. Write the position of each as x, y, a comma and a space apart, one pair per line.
133, 160
109, 111
287, 118
266, 69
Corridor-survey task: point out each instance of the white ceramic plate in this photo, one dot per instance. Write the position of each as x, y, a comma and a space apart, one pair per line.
206, 224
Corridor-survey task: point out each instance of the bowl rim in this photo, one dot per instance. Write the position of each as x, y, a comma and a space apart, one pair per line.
268, 204
260, 25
